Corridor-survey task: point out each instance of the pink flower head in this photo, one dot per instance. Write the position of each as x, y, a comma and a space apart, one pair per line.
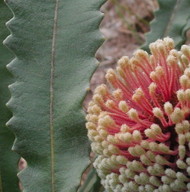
140, 125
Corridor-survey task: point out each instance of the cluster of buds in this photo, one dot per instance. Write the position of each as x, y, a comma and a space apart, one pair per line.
139, 125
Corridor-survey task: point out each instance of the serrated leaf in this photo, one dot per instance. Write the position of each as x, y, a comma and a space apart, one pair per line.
8, 159
170, 20
54, 42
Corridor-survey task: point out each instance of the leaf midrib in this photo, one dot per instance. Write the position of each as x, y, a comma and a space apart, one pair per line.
52, 96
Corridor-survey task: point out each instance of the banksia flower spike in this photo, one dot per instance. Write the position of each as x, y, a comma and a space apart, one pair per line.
140, 125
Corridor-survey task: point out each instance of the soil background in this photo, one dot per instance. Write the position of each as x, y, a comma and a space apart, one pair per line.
123, 27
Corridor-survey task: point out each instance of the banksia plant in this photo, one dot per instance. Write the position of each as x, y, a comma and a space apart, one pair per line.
139, 125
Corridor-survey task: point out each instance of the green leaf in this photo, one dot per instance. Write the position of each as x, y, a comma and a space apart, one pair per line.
54, 42
92, 182
170, 20
186, 28
8, 159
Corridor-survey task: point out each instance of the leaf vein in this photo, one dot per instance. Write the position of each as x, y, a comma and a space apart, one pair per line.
53, 52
